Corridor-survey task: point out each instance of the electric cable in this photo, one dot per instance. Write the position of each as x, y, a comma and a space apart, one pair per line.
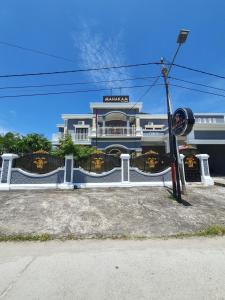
78, 70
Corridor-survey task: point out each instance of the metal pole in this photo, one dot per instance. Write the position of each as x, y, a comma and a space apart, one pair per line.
179, 199
169, 116
96, 128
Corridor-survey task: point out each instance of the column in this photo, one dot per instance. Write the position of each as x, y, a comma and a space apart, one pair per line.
103, 125
68, 174
7, 160
206, 179
93, 130
138, 128
125, 168
167, 145
182, 166
128, 126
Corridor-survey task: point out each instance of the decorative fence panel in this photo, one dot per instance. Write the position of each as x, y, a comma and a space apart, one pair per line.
98, 163
192, 168
151, 162
39, 162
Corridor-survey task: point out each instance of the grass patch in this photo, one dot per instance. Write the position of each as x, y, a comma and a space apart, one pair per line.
21, 238
214, 230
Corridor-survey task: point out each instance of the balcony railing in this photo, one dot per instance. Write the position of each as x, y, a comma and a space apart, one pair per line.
155, 133
116, 131
85, 137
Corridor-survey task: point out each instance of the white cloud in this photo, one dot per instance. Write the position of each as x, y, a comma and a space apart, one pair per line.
94, 50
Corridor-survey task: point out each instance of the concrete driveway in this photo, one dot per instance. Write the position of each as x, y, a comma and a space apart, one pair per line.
112, 212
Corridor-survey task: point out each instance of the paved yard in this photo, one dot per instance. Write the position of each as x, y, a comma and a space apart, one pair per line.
131, 212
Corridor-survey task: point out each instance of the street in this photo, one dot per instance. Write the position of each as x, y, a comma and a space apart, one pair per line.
113, 269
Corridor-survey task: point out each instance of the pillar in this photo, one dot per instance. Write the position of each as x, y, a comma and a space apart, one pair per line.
128, 126
125, 168
206, 179
68, 173
93, 131
138, 128
7, 160
182, 166
103, 125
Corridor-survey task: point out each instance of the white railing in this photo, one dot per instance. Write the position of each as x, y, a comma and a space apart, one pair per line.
116, 131
154, 132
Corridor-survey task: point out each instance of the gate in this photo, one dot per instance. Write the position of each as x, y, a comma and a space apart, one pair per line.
192, 168
98, 162
151, 162
40, 162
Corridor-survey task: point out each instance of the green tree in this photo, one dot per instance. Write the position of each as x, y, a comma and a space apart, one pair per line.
33, 142
9, 142
66, 146
15, 143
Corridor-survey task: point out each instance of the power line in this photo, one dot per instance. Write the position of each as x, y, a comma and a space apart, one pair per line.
195, 83
199, 71
37, 51
197, 90
78, 70
71, 92
146, 92
106, 89
150, 87
76, 83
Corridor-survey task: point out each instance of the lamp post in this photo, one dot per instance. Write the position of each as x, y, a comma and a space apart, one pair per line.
172, 138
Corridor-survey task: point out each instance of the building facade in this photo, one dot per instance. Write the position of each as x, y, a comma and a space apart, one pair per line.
122, 127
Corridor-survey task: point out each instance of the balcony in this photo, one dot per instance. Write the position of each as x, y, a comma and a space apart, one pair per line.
116, 131
80, 138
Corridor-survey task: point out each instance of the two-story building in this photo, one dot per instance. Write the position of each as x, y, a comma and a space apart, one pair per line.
118, 126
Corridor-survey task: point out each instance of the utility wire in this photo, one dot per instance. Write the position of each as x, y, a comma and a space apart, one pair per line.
196, 83
197, 90
199, 71
146, 92
76, 83
78, 70
36, 51
72, 92
150, 87
104, 89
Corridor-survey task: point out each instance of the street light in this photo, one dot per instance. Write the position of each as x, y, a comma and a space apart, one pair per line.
172, 138
181, 39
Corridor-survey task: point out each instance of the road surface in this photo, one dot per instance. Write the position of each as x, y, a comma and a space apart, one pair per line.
114, 269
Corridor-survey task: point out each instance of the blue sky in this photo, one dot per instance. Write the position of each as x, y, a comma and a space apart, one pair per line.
103, 33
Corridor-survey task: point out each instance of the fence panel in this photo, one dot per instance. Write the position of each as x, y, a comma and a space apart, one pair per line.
192, 168
98, 163
39, 162
151, 162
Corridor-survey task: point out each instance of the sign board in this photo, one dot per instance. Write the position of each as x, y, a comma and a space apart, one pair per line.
117, 99
182, 121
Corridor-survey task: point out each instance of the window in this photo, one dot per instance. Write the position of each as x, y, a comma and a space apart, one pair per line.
81, 134
80, 123
150, 123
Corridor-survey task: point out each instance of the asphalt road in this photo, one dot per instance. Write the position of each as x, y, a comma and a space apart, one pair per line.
149, 269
